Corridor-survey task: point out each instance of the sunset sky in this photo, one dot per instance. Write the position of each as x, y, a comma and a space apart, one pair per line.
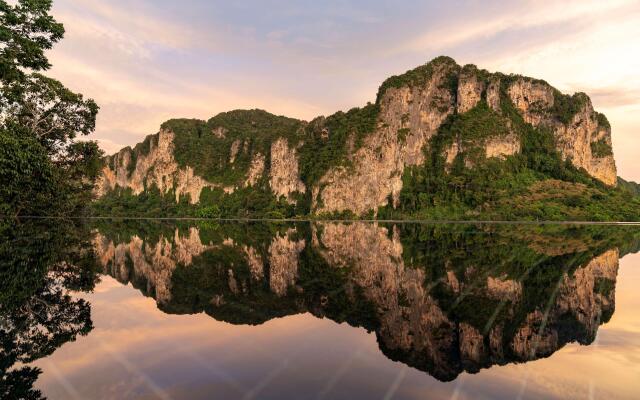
146, 61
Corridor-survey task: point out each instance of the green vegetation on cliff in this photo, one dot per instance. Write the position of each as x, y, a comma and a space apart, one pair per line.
629, 186
331, 140
468, 132
534, 183
419, 76
565, 106
601, 148
207, 146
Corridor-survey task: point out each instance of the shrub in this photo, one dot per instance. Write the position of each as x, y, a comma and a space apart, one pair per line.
601, 148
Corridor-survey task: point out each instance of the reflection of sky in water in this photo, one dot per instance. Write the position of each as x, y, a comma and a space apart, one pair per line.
137, 351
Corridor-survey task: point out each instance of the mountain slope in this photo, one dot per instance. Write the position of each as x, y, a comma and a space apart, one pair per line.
440, 141
631, 186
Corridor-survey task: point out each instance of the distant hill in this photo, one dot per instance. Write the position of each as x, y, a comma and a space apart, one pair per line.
631, 186
441, 141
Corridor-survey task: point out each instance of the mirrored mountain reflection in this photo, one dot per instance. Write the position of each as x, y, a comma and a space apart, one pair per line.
441, 298
40, 264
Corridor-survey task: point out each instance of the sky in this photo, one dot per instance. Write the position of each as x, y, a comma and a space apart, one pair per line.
146, 61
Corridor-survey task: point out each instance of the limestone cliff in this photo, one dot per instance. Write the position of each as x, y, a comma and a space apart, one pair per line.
576, 135
157, 167
378, 165
336, 165
284, 177
410, 318
417, 327
183, 160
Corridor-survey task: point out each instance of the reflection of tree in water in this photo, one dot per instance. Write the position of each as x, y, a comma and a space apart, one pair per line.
40, 263
443, 299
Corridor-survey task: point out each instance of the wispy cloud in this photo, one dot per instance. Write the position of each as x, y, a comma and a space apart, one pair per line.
132, 26
147, 61
474, 26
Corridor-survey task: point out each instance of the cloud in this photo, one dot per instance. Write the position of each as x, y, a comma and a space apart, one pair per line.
524, 15
147, 61
126, 26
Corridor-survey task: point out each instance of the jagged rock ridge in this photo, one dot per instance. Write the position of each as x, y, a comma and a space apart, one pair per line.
254, 149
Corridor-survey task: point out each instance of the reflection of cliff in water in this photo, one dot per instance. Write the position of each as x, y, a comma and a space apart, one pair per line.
443, 299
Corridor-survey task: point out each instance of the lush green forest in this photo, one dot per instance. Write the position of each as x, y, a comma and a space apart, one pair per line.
44, 170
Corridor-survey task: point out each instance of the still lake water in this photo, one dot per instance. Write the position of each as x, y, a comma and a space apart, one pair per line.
130, 309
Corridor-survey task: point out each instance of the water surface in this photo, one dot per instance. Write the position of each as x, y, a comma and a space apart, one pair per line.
204, 309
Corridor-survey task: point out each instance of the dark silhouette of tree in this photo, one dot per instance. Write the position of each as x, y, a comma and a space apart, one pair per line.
40, 263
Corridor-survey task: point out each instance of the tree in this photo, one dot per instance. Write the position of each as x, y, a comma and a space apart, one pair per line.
39, 115
26, 173
26, 31
54, 114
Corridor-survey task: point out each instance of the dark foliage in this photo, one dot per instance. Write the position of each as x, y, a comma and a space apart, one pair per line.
45, 169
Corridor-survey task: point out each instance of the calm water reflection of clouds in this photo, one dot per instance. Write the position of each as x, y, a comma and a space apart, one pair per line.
138, 351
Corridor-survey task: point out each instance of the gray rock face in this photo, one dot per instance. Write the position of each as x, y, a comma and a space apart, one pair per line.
235, 147
284, 177
410, 318
574, 139
379, 163
409, 116
528, 97
256, 169
283, 259
469, 91
496, 146
156, 168
501, 147
152, 263
413, 322
493, 94
159, 168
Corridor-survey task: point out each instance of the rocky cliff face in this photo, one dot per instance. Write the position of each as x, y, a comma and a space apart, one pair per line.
157, 168
578, 298
377, 166
151, 264
284, 177
141, 170
410, 111
574, 137
410, 318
